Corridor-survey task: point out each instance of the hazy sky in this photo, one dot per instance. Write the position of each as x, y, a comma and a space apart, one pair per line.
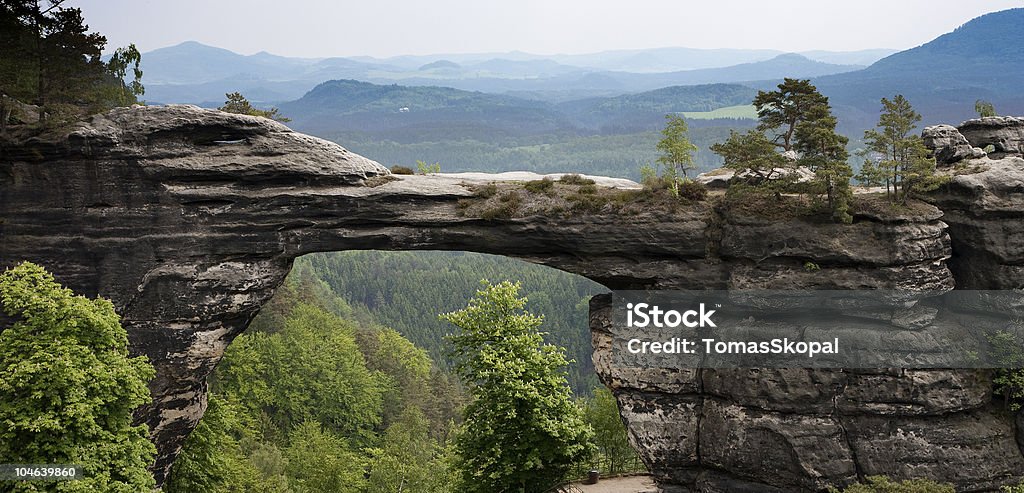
319, 28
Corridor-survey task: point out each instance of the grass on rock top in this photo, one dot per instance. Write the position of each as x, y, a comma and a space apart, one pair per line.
570, 195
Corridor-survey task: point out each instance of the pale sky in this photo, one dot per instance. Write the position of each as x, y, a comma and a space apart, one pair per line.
322, 28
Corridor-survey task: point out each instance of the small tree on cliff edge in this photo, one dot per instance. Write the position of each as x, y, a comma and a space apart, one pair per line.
676, 150
68, 387
905, 167
237, 103
523, 432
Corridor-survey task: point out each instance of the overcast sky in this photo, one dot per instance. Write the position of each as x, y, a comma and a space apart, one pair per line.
320, 28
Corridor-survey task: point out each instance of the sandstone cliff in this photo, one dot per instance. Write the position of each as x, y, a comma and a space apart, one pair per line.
188, 220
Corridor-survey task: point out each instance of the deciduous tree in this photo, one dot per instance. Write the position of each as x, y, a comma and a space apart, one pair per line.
68, 386
675, 147
522, 430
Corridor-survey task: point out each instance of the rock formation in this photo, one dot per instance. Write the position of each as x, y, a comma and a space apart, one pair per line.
948, 145
1004, 133
952, 145
188, 219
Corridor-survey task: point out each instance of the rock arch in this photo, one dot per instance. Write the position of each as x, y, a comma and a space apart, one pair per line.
188, 219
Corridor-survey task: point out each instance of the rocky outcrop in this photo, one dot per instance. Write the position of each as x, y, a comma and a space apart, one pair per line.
984, 207
721, 178
951, 145
948, 145
1004, 133
188, 220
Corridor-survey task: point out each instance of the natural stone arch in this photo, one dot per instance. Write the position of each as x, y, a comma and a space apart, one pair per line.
188, 219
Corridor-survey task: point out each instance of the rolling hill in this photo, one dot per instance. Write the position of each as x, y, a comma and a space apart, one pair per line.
983, 59
408, 113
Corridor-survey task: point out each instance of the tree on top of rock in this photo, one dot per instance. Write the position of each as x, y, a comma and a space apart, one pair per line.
49, 57
238, 104
904, 166
781, 111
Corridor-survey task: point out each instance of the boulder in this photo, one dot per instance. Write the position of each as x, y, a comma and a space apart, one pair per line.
948, 145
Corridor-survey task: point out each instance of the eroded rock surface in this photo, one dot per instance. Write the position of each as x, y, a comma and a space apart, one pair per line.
1004, 133
948, 145
188, 219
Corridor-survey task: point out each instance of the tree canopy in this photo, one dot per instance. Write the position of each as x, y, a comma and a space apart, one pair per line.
68, 387
49, 57
675, 147
782, 110
900, 160
753, 153
522, 431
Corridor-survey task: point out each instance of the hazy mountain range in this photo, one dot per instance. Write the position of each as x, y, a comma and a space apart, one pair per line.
586, 112
195, 73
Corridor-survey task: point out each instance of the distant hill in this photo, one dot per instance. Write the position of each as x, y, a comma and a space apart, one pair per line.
646, 110
195, 73
785, 65
196, 63
405, 113
983, 59
408, 113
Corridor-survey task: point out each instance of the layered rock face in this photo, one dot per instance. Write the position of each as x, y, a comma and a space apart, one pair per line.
188, 220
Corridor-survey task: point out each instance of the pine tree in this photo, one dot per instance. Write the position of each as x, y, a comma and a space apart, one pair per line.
904, 166
753, 153
238, 104
783, 110
824, 151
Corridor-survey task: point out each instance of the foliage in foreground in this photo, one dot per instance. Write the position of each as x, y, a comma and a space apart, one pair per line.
1008, 352
522, 431
68, 387
613, 453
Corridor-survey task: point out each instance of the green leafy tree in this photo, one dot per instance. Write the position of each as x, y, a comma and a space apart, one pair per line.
126, 93
984, 108
212, 458
753, 153
781, 111
310, 370
408, 460
904, 166
614, 454
1008, 351
427, 169
675, 147
238, 104
522, 430
319, 460
68, 387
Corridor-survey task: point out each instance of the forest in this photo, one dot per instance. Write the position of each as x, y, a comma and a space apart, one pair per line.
319, 396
